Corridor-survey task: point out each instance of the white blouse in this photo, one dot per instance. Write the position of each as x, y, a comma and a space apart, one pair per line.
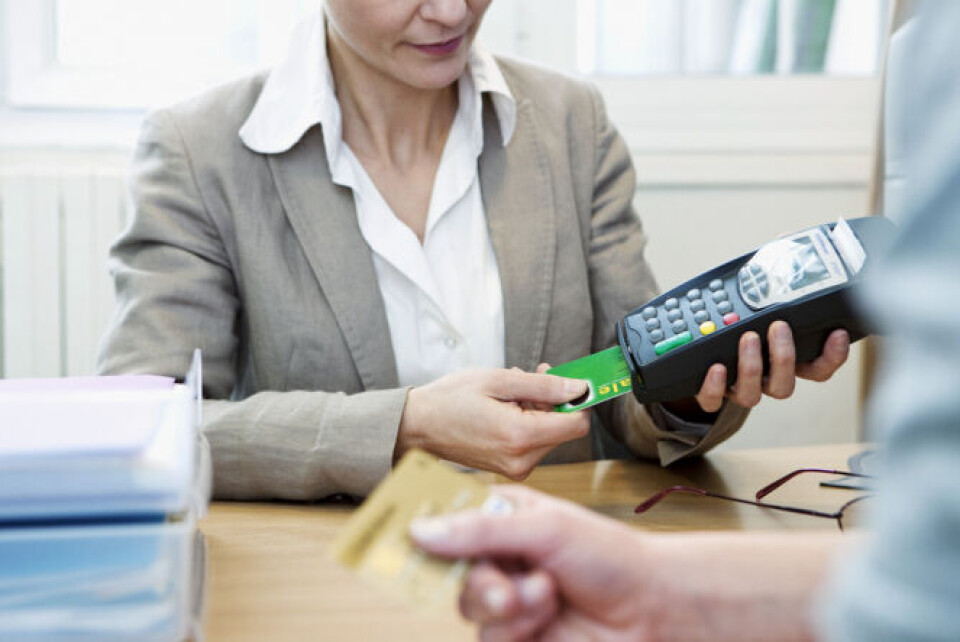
443, 298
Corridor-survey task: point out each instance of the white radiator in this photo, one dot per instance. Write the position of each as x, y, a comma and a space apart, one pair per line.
57, 225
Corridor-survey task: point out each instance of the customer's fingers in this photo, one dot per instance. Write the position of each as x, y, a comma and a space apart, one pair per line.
539, 606
532, 531
488, 594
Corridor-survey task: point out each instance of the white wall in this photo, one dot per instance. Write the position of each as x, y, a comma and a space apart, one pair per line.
694, 228
59, 211
726, 165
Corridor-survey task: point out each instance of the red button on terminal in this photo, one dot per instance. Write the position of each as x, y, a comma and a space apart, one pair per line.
732, 317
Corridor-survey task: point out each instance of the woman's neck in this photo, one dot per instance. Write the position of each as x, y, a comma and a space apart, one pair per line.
384, 118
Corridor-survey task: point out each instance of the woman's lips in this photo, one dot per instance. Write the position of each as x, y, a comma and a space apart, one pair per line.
440, 48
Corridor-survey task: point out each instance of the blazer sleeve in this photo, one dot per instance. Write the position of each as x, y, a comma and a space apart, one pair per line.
621, 279
176, 290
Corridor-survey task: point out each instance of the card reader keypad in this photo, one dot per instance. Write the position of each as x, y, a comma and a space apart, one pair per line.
668, 325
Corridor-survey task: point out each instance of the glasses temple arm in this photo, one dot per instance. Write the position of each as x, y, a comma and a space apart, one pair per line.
655, 499
774, 485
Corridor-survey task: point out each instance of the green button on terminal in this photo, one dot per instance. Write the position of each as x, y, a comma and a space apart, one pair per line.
673, 342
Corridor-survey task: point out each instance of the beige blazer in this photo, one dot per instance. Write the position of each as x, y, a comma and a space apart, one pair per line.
258, 260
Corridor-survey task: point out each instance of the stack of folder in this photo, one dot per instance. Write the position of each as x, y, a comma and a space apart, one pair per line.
102, 481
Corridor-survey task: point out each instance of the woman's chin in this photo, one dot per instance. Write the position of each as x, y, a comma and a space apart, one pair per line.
433, 74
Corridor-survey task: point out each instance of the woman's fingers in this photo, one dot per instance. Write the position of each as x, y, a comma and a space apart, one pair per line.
835, 352
781, 381
749, 387
714, 388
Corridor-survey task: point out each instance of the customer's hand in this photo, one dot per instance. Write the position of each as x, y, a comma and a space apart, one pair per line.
553, 571
781, 380
497, 420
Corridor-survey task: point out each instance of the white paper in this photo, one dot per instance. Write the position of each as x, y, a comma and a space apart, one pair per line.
82, 415
850, 248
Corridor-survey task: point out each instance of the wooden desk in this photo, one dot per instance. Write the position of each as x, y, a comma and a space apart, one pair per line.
270, 577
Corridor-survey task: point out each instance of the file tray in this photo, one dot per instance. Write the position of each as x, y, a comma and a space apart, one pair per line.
102, 452
107, 581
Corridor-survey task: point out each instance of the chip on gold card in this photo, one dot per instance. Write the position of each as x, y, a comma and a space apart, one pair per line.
376, 544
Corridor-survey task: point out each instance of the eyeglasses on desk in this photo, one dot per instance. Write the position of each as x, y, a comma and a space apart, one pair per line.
849, 515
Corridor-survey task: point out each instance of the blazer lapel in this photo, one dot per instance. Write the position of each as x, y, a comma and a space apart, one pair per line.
323, 216
518, 197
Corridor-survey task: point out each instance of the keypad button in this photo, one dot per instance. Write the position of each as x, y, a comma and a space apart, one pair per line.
716, 284
701, 316
724, 307
674, 315
693, 294
764, 286
707, 327
671, 304
751, 293
656, 336
698, 305
730, 318
678, 326
649, 312
756, 269
672, 343
653, 324
720, 295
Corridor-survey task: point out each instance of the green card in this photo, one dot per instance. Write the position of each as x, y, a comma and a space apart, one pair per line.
606, 372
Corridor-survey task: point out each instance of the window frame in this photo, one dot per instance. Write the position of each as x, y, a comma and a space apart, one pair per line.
36, 80
44, 105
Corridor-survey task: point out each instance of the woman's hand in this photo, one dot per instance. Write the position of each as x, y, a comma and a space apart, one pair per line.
780, 382
497, 420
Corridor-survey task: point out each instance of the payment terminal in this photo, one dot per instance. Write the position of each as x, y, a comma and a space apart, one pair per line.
667, 345
803, 279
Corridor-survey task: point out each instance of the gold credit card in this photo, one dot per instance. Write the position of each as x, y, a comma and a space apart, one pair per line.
606, 373
375, 542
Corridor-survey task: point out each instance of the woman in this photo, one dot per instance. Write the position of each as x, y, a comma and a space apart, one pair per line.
376, 243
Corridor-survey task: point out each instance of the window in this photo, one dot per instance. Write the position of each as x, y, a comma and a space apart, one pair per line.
636, 37
104, 61
131, 55
122, 54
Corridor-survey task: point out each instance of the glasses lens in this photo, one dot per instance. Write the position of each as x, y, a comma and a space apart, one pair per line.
856, 516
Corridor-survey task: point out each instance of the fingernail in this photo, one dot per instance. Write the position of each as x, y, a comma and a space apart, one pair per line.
533, 589
495, 599
717, 376
573, 387
781, 333
429, 529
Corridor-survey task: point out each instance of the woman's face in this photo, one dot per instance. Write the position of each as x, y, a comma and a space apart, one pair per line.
421, 43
